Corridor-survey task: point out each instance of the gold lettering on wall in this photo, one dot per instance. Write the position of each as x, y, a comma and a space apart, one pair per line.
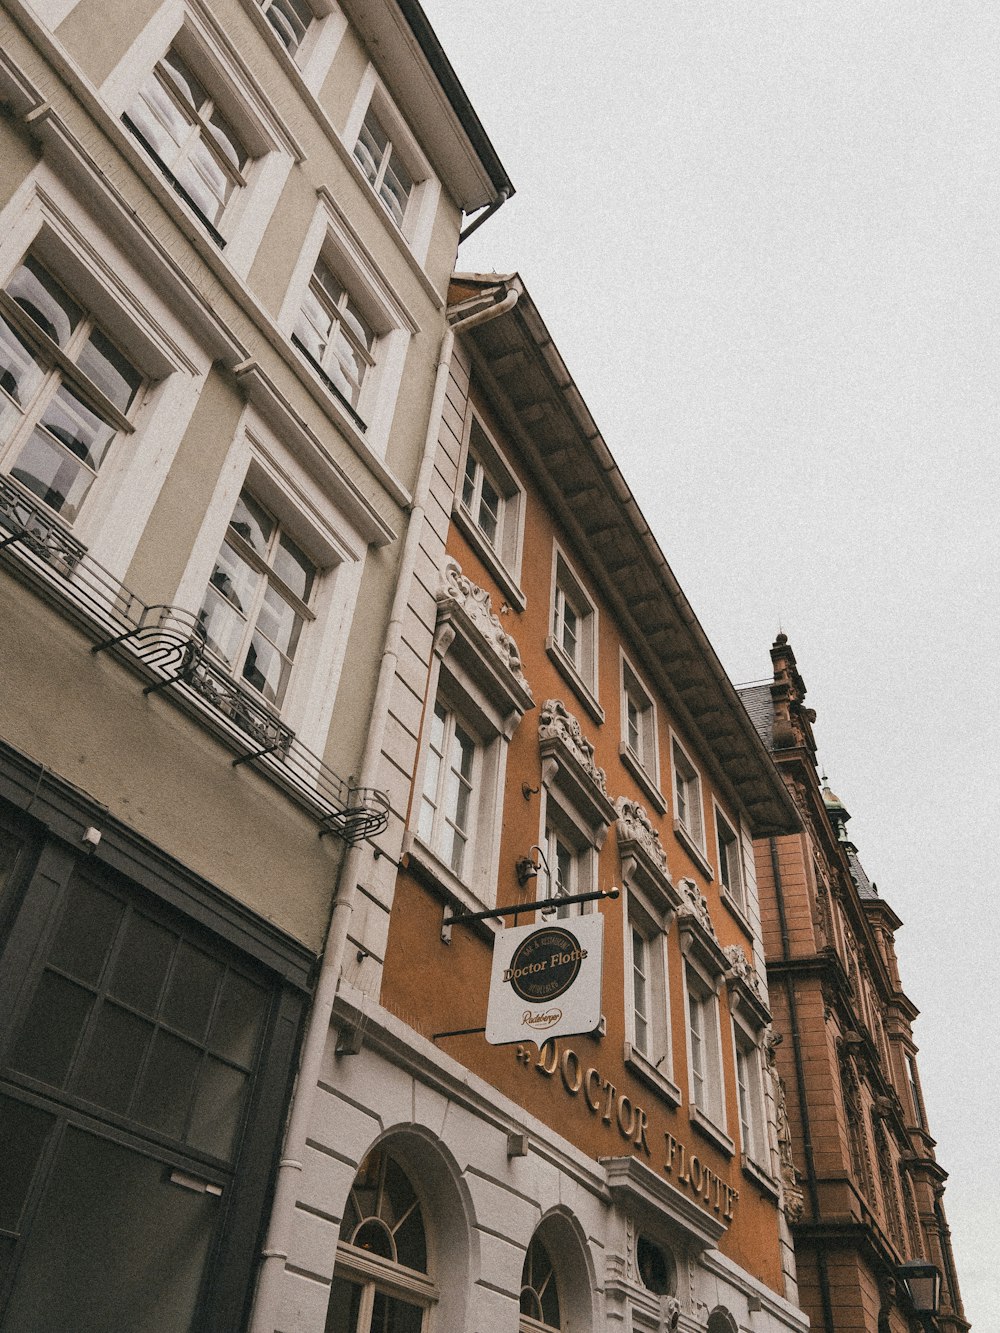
632, 1122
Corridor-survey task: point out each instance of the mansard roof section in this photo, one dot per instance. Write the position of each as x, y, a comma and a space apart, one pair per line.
522, 372
760, 708
411, 60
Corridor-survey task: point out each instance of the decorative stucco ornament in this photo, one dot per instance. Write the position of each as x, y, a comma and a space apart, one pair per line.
556, 722
634, 825
459, 589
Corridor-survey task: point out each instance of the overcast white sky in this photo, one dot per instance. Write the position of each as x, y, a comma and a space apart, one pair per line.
765, 239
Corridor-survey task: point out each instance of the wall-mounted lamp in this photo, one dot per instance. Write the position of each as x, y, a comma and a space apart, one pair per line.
526, 869
922, 1281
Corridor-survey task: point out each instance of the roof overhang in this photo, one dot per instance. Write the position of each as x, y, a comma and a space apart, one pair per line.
411, 60
524, 376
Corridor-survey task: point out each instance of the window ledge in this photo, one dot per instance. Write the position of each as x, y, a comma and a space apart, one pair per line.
685, 838
505, 579
432, 872
573, 678
734, 907
711, 1130
759, 1176
645, 780
649, 1073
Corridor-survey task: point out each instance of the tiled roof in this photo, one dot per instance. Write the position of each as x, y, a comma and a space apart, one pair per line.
865, 889
757, 702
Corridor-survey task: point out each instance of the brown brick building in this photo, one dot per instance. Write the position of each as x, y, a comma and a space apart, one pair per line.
856, 1143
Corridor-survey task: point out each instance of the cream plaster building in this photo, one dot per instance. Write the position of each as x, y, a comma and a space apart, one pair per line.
226, 235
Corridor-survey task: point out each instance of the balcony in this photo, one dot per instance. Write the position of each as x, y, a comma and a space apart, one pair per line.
164, 646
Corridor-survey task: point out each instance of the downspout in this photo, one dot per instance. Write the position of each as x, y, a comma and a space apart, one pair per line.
800, 1084
286, 1188
485, 215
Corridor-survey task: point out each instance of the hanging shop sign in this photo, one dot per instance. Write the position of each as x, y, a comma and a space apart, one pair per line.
546, 981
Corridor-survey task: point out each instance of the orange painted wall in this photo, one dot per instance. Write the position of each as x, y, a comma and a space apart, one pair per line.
439, 987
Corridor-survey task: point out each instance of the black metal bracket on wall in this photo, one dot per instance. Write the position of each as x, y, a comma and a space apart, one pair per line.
514, 910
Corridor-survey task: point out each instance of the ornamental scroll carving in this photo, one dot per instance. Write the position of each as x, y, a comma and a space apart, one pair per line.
695, 905
459, 589
556, 722
740, 969
634, 825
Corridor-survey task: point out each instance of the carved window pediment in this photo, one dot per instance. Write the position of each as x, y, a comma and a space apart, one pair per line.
699, 942
568, 763
746, 993
644, 862
468, 629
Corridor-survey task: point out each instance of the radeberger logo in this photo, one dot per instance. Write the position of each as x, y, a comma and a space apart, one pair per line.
545, 965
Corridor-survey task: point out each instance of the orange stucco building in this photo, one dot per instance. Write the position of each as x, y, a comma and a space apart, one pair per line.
559, 725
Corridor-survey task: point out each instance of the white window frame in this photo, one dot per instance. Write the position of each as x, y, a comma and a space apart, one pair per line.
191, 29
580, 670
443, 816
688, 795
47, 219
330, 239
259, 462
501, 557
652, 1060
314, 55
561, 824
473, 682
729, 854
707, 1092
418, 219
751, 1101
643, 762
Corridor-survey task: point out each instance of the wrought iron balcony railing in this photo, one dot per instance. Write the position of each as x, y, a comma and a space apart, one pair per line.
166, 646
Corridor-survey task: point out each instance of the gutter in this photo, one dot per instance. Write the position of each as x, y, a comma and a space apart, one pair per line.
286, 1188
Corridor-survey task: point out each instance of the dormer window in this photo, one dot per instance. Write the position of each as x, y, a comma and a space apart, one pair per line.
379, 159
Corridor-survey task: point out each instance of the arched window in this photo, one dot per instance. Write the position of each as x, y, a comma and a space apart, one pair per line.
721, 1321
380, 1284
539, 1291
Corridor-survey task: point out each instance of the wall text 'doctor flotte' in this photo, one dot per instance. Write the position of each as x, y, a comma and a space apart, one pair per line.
616, 1109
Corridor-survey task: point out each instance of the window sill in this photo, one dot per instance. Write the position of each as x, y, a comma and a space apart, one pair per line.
760, 1177
573, 678
505, 580
711, 1131
685, 838
650, 1074
645, 780
736, 910
432, 872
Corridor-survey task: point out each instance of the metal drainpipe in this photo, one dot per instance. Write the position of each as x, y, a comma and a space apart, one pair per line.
485, 215
275, 1251
800, 1083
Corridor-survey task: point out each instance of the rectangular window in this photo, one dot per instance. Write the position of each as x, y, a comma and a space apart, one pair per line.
705, 1050
730, 876
290, 19
638, 745
257, 601
640, 991
448, 801
918, 1105
573, 641
387, 174
335, 336
489, 507
65, 390
177, 120
750, 1097
687, 795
